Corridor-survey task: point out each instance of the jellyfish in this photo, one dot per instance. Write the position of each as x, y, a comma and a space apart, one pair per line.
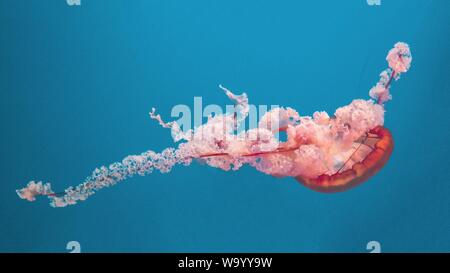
324, 153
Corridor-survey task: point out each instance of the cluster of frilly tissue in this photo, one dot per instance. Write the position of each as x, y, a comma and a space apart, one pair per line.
316, 145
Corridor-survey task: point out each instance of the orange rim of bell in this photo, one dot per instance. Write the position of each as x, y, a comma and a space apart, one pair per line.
359, 172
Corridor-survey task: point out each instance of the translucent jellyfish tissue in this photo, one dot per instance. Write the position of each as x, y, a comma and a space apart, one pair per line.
326, 154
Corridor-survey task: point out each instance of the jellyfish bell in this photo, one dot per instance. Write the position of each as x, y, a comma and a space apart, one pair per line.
380, 143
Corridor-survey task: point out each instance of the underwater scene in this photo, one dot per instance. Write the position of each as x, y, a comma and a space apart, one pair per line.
225, 126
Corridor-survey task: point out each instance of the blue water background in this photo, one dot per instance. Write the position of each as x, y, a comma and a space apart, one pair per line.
77, 83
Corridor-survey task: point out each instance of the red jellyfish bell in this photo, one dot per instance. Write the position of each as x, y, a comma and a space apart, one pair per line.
380, 141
